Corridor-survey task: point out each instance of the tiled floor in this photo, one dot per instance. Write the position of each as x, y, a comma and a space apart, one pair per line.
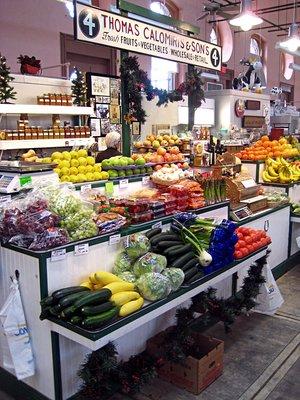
260, 362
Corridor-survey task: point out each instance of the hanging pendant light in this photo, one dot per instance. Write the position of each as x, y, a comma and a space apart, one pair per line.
246, 18
293, 41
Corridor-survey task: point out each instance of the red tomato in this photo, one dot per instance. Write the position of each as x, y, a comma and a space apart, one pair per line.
248, 239
244, 252
269, 240
240, 235
237, 246
263, 234
238, 254
250, 248
242, 243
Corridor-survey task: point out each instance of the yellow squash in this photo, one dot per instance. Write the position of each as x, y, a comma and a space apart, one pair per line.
131, 307
121, 298
116, 287
106, 277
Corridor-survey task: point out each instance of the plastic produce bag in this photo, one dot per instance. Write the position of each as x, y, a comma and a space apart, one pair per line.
136, 245
16, 331
153, 286
149, 262
269, 298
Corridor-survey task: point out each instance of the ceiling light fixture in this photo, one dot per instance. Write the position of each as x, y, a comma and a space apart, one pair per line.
246, 18
293, 41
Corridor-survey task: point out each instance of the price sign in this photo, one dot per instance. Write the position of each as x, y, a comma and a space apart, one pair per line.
86, 187
114, 239
81, 249
248, 183
145, 180
157, 225
57, 255
123, 184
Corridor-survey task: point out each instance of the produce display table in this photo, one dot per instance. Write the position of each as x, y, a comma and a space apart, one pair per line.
291, 189
43, 272
295, 234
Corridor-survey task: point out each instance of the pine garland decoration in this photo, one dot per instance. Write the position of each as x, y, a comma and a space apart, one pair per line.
6, 90
79, 88
103, 375
136, 83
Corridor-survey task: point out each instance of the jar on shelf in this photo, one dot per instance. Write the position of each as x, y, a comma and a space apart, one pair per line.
56, 132
61, 133
21, 135
52, 98
40, 100
77, 132
9, 135
64, 101
34, 133
3, 134
69, 100
72, 133
58, 101
15, 135
50, 133
46, 99
28, 134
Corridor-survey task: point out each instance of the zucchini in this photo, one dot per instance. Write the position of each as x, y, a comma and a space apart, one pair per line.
190, 264
153, 232
195, 277
190, 273
67, 312
175, 229
58, 294
45, 313
47, 301
182, 250
54, 311
98, 320
166, 244
92, 310
164, 236
97, 297
182, 260
171, 249
70, 299
76, 320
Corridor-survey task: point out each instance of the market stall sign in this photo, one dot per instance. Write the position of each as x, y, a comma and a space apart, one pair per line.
109, 29
252, 105
250, 121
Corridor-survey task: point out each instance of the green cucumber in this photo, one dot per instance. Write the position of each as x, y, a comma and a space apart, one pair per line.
167, 244
54, 311
92, 310
190, 273
153, 232
190, 264
195, 277
76, 320
164, 236
45, 313
98, 320
93, 298
182, 250
182, 260
47, 301
58, 294
70, 299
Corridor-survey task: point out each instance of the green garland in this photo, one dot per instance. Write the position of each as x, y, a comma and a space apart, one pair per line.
103, 375
136, 82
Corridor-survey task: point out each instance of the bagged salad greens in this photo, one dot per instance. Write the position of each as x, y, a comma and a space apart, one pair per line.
136, 245
176, 277
127, 276
122, 263
149, 262
153, 286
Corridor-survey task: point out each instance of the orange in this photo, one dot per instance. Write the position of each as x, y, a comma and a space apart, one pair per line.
277, 153
264, 138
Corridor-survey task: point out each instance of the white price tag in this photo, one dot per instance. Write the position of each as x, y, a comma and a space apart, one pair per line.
57, 255
248, 183
123, 184
81, 249
86, 187
157, 225
114, 239
145, 180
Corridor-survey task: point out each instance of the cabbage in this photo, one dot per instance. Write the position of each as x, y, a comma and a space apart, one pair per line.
136, 245
153, 286
127, 276
176, 277
122, 263
149, 262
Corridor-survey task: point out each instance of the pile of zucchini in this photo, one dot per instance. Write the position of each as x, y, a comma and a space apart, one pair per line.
80, 306
179, 254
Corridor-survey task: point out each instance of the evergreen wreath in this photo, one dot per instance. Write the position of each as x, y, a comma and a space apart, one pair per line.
103, 375
136, 82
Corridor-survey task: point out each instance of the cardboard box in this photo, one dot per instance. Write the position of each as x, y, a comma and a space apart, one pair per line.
195, 374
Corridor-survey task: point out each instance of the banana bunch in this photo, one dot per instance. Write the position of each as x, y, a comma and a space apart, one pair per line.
281, 171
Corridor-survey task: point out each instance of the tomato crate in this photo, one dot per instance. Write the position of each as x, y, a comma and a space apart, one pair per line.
196, 373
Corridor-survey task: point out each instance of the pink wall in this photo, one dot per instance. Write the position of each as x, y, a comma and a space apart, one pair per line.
34, 26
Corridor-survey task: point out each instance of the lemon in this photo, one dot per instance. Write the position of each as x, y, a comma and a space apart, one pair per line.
74, 162
81, 169
90, 160
65, 171
64, 163
73, 171
82, 161
97, 167
57, 155
66, 155
89, 168
65, 178
74, 154
82, 153
81, 178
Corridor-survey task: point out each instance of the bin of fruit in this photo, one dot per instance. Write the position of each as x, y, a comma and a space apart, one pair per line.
280, 171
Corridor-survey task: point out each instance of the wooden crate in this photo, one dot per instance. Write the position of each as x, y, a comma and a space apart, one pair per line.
195, 374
